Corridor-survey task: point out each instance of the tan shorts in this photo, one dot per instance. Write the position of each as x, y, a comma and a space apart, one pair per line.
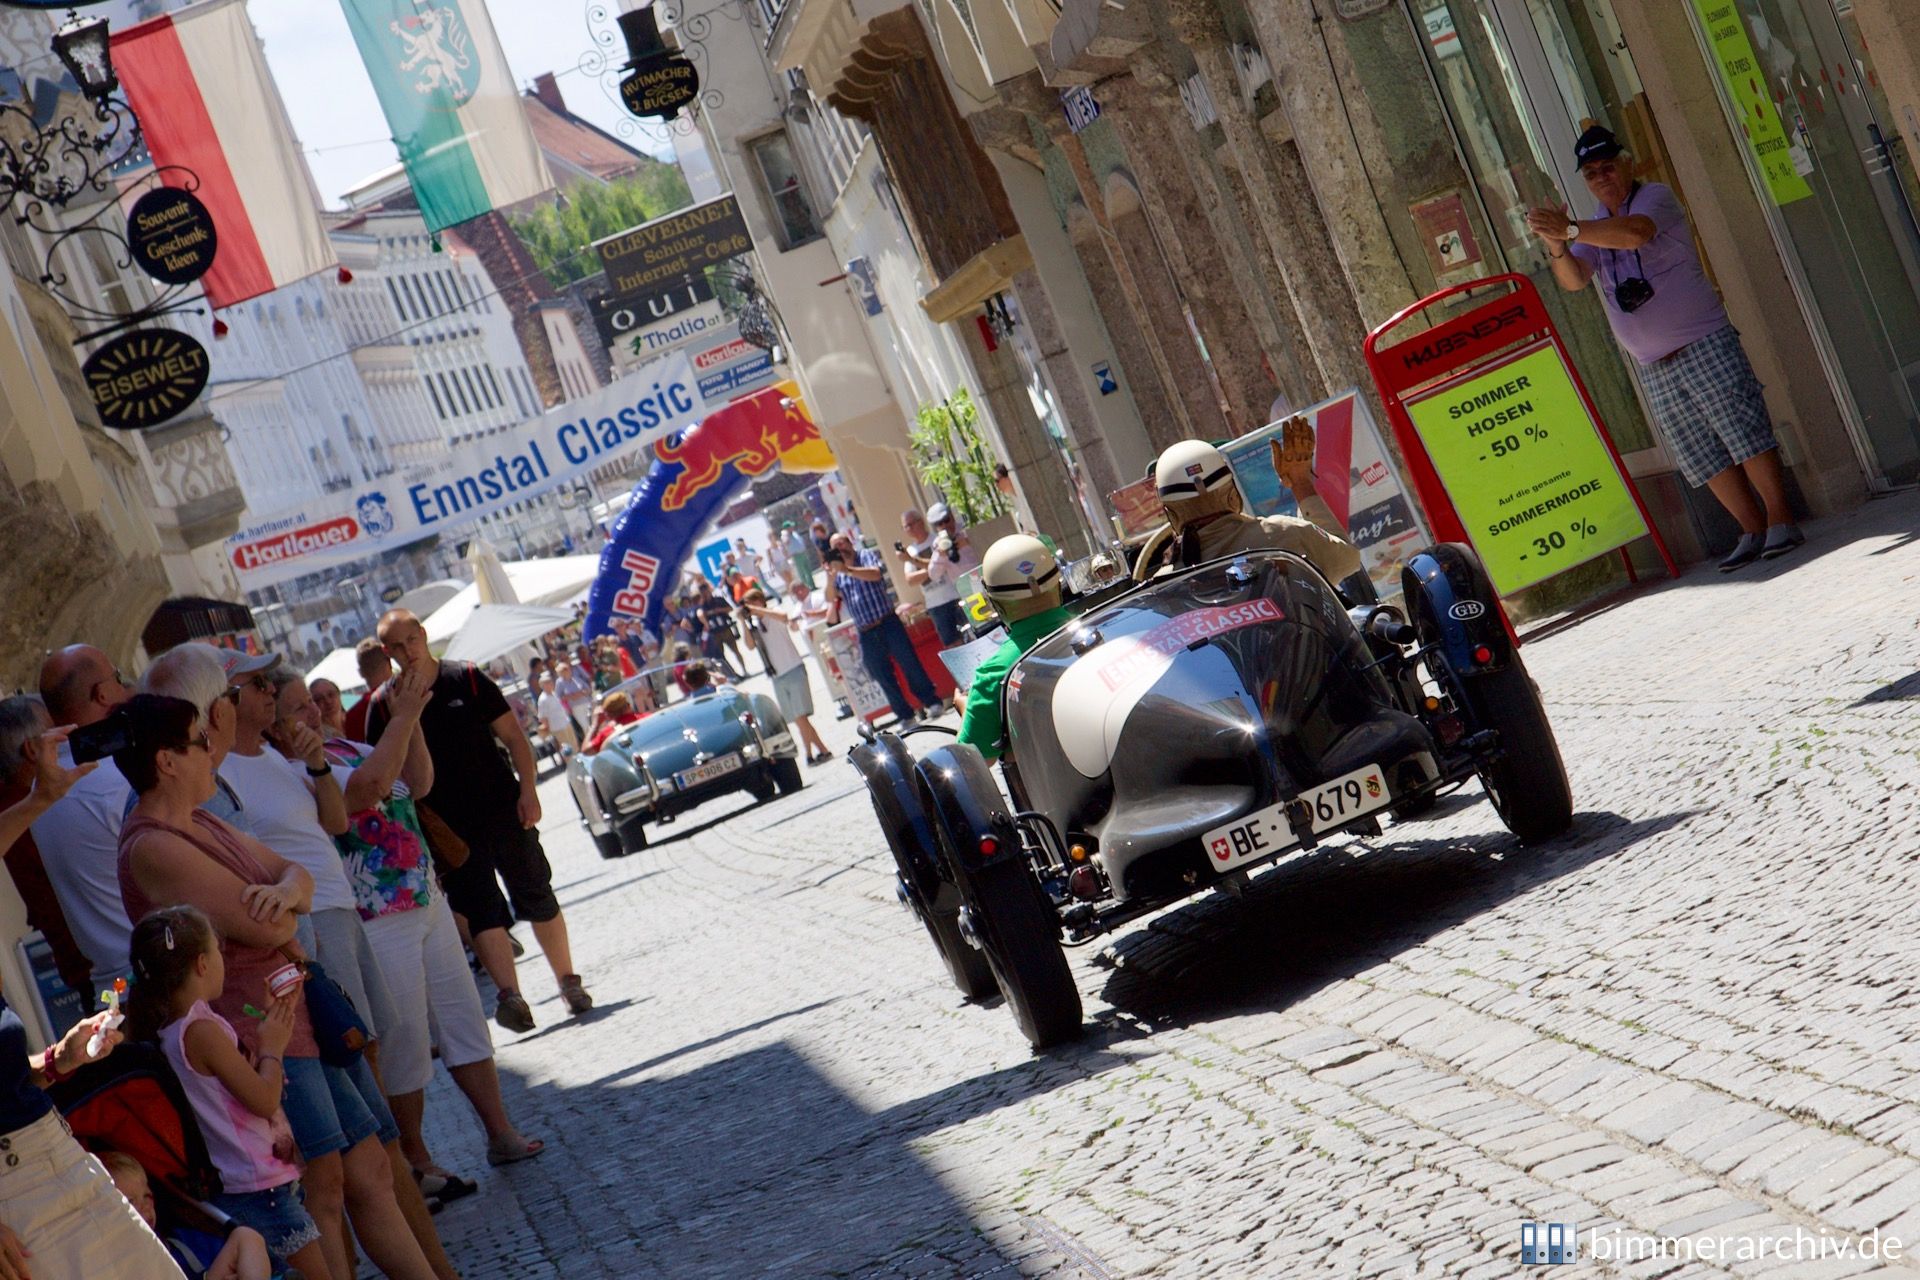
69, 1215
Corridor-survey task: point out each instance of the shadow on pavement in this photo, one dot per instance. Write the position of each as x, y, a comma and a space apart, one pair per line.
562, 1021
754, 1165
1309, 924
1905, 689
604, 890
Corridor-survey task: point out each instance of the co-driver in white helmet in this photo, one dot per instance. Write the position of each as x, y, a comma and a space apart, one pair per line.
1206, 516
1021, 580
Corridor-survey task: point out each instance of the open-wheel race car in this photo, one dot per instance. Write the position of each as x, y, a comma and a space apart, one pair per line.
716, 742
1183, 732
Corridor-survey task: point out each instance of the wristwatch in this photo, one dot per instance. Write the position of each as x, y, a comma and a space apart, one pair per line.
1573, 229
318, 773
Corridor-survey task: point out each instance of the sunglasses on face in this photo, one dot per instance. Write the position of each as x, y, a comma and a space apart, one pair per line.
202, 740
260, 684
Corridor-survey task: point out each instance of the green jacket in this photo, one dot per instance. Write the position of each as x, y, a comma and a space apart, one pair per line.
982, 725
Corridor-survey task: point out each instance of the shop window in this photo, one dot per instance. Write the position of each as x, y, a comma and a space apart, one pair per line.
780, 179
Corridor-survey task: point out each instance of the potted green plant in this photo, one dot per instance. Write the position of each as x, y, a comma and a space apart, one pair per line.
951, 456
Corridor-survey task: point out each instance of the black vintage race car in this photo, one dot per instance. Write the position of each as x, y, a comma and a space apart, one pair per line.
1181, 733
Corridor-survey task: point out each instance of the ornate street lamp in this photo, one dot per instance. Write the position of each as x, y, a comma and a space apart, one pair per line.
81, 46
53, 162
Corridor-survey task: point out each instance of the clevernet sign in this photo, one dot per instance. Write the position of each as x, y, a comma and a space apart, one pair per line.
480, 479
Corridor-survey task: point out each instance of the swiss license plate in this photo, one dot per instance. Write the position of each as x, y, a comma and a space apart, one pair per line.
706, 772
1332, 804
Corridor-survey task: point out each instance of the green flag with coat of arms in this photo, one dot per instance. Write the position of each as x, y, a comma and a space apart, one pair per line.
450, 100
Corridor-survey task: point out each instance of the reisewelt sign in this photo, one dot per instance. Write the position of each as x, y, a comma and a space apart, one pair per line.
479, 479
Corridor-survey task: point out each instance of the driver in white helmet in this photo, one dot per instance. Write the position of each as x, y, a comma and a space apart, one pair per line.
1206, 516
1021, 580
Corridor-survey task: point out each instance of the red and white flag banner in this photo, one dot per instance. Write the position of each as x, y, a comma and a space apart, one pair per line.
206, 102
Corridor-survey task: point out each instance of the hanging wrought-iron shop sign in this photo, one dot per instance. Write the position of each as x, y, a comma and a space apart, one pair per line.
171, 235
658, 88
145, 377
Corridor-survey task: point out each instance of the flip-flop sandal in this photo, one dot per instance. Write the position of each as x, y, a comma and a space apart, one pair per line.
497, 1156
446, 1187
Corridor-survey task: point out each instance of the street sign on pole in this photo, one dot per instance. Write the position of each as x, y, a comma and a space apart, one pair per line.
1501, 439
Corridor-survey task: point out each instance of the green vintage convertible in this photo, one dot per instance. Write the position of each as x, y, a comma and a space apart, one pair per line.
717, 742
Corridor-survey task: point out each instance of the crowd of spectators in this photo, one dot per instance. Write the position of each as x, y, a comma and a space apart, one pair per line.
245, 850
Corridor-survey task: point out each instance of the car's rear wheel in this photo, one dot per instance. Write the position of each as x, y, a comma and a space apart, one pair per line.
786, 776
966, 964
761, 786
925, 890
608, 843
1022, 944
1527, 781
633, 836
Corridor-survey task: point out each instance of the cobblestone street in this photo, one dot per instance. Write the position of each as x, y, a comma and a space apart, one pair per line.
1691, 1015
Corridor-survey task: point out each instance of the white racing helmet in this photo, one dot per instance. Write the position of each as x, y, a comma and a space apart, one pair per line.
1020, 577
1195, 480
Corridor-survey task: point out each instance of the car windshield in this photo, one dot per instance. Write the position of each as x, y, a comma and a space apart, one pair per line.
701, 711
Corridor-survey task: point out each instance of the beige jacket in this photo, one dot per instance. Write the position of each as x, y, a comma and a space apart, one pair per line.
1334, 557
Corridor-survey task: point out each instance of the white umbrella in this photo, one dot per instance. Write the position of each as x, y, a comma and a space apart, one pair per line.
428, 596
493, 629
491, 580
553, 580
445, 622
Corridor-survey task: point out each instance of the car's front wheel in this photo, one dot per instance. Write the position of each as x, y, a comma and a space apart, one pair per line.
1526, 780
1022, 943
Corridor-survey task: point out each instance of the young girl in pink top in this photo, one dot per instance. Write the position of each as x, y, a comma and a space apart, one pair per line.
177, 969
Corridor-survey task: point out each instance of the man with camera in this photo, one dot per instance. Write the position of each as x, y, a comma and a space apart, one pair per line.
857, 581
1666, 314
935, 558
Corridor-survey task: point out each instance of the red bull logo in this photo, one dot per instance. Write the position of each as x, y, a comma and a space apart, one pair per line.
751, 435
642, 572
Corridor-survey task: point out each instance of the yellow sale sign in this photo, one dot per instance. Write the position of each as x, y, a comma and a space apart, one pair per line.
1526, 467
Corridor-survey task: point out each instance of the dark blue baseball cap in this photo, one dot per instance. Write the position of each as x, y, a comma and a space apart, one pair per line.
1597, 143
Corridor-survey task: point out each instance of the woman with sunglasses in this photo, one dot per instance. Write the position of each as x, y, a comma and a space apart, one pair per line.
172, 851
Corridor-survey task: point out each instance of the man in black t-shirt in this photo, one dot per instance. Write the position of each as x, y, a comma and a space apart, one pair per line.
491, 804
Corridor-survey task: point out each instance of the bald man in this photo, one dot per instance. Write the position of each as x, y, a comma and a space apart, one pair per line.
494, 808
79, 837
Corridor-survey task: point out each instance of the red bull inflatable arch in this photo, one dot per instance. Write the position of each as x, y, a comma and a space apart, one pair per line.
694, 476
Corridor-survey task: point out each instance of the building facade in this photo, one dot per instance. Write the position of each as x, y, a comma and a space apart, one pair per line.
1245, 190
127, 519
893, 309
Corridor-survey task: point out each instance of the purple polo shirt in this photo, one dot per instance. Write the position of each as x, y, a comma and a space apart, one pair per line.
1684, 307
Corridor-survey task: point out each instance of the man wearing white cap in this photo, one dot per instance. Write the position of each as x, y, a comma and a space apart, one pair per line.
935, 559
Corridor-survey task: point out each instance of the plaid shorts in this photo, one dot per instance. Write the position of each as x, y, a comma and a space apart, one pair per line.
1708, 403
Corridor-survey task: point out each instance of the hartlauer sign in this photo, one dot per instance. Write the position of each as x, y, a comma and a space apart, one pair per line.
264, 552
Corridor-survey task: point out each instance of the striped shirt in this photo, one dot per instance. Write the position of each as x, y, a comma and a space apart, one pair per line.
868, 603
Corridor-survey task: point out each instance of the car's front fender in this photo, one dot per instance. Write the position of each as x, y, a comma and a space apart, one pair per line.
1454, 607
